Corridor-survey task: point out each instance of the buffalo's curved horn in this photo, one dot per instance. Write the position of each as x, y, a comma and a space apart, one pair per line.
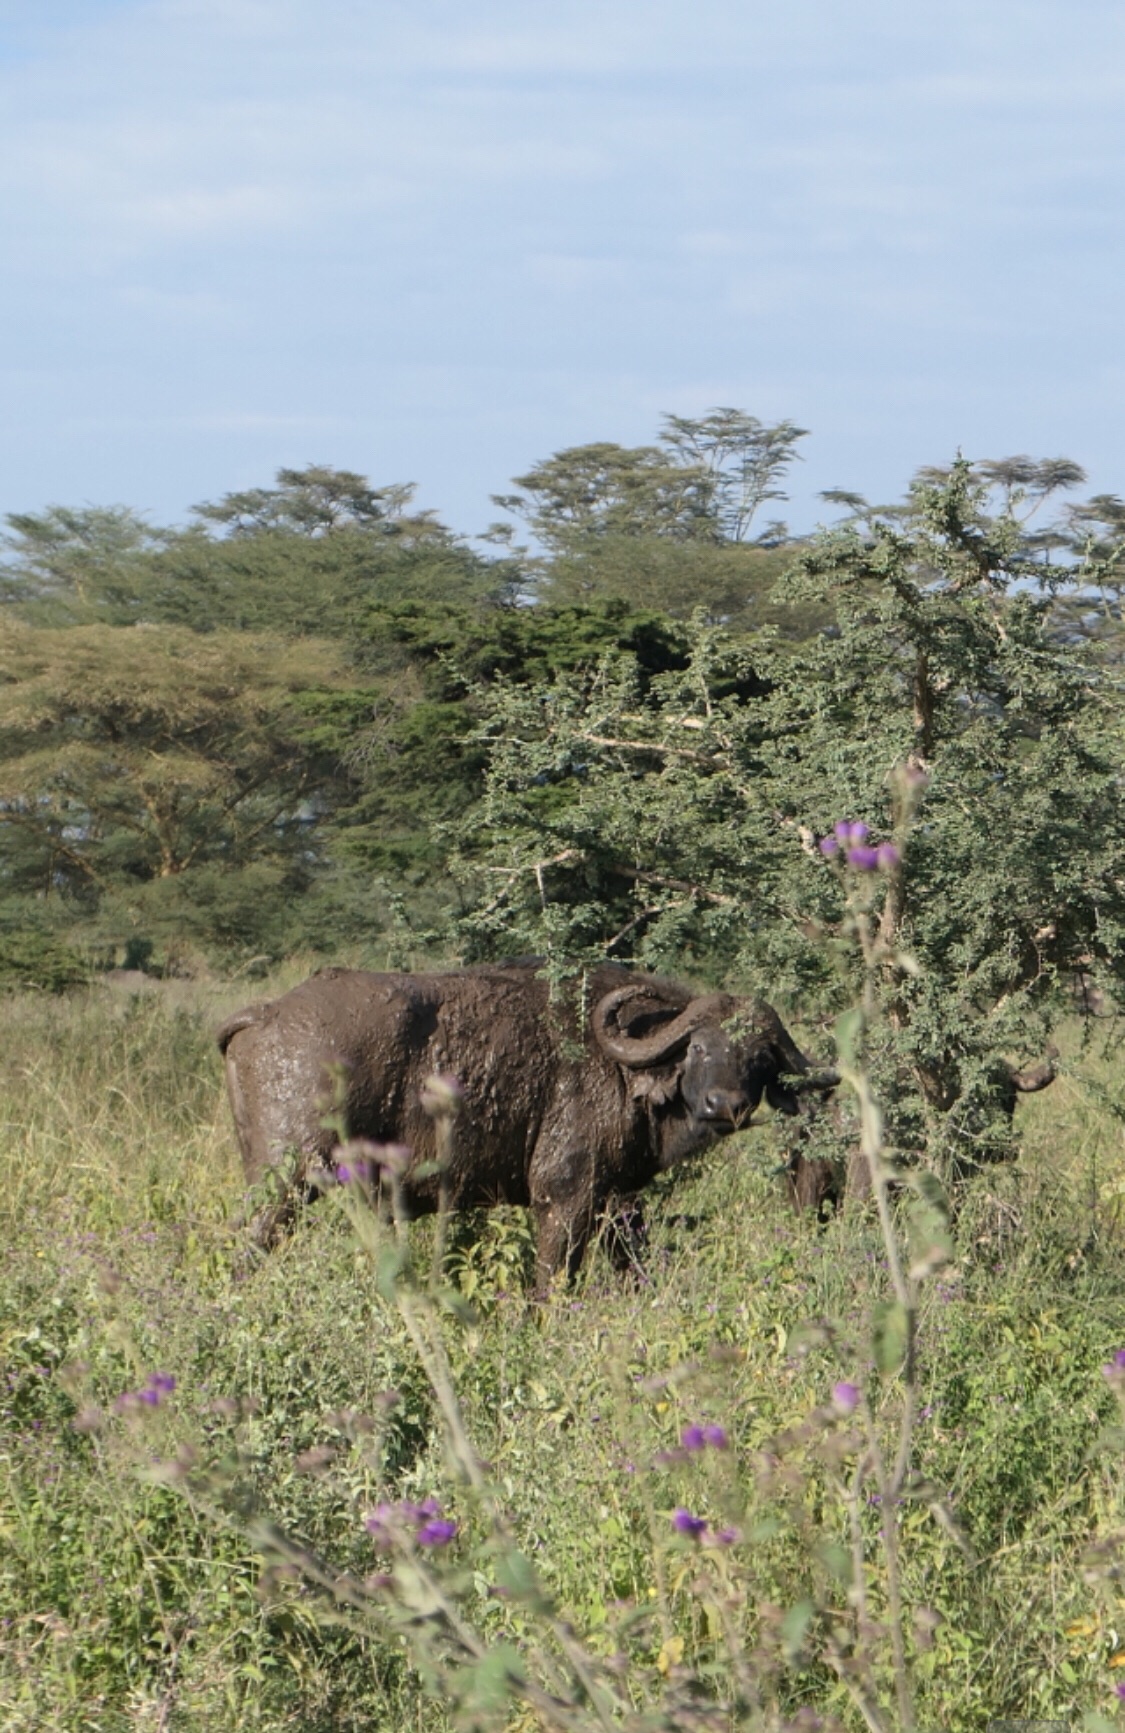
814, 1083
638, 1050
1030, 1082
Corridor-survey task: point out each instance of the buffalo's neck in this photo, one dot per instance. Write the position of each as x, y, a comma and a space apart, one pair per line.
678, 1136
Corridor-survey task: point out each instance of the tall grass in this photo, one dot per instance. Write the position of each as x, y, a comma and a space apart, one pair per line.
134, 1597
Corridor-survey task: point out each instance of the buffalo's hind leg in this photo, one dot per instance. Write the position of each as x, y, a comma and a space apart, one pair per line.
275, 1202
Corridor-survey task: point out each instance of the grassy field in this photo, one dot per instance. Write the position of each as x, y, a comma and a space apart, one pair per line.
143, 1583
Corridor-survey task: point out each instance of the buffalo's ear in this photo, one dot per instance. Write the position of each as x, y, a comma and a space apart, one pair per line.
657, 1091
782, 1100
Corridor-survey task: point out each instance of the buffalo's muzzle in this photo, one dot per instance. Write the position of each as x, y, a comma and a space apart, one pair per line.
726, 1106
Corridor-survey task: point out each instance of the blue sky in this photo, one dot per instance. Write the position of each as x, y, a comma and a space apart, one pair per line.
435, 241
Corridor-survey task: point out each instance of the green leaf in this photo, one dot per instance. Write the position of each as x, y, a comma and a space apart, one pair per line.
931, 1241
490, 1684
891, 1328
455, 1301
849, 1031
794, 1627
390, 1262
518, 1577
837, 1561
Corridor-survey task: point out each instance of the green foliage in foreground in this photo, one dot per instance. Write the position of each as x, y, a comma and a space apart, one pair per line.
130, 1605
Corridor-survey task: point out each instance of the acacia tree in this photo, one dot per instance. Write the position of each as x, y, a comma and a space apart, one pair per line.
681, 824
665, 525
705, 481
744, 459
132, 758
76, 556
593, 492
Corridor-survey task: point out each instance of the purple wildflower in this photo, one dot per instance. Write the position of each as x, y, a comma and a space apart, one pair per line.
379, 1522
685, 1523
390, 1521
845, 1397
715, 1436
157, 1386
692, 1438
1119, 1688
863, 859
1115, 1368
343, 1172
395, 1157
439, 1531
889, 855
828, 845
727, 1537
854, 831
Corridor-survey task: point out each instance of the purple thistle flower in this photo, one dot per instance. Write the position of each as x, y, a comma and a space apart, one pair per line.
850, 831
1115, 1368
158, 1385
439, 1531
1119, 1688
343, 1172
715, 1436
888, 856
395, 1157
863, 859
693, 1438
845, 1397
685, 1523
828, 845
378, 1522
727, 1537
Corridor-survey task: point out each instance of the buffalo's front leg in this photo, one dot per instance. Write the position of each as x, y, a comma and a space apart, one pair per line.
562, 1201
625, 1236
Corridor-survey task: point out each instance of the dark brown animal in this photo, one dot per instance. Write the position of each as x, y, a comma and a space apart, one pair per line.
819, 1184
566, 1105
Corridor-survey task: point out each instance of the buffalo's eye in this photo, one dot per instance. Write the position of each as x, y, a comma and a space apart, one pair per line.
696, 1047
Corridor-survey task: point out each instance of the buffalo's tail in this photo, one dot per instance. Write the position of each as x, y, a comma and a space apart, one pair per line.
241, 1020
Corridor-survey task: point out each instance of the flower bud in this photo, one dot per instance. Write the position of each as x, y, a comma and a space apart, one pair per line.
442, 1095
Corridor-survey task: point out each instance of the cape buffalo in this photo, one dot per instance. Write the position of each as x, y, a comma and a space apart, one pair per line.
819, 1183
566, 1103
